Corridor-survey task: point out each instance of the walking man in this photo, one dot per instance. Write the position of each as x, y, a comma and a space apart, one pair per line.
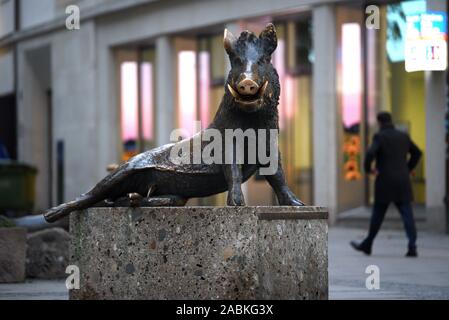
389, 149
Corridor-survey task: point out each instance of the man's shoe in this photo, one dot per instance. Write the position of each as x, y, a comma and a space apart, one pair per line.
361, 247
412, 253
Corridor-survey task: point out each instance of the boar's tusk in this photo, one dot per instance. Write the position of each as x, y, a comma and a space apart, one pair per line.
264, 87
234, 94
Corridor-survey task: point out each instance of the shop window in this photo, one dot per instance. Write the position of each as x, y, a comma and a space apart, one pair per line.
351, 82
212, 68
293, 60
351, 116
200, 72
136, 69
147, 99
187, 96
214, 44
128, 103
204, 90
300, 51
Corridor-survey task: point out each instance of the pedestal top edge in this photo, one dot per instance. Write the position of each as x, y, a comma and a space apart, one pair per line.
263, 212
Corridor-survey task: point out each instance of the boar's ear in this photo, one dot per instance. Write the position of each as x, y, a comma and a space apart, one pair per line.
269, 38
228, 41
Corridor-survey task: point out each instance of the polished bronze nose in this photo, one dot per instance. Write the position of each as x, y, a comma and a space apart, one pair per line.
247, 87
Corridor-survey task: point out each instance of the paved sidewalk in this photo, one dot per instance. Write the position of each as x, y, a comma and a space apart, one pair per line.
425, 277
34, 290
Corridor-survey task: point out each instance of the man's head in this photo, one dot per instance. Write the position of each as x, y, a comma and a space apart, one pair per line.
384, 119
251, 68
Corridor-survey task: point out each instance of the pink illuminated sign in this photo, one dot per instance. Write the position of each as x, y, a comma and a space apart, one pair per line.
128, 84
187, 90
146, 89
204, 79
351, 74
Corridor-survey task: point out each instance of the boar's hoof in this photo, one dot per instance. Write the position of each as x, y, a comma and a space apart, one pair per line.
236, 199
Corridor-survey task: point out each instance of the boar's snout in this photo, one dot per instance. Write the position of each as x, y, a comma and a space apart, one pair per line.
247, 87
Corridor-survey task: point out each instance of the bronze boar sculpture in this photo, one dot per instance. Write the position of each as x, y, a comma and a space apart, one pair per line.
250, 102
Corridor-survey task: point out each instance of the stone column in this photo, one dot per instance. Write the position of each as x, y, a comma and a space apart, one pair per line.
165, 86
325, 109
435, 82
77, 114
435, 147
33, 114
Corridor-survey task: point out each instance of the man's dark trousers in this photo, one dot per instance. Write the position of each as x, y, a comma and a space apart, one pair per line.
377, 217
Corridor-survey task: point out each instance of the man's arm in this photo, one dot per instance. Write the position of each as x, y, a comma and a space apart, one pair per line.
415, 155
371, 153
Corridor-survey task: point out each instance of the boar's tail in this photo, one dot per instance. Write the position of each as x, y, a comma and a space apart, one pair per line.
100, 192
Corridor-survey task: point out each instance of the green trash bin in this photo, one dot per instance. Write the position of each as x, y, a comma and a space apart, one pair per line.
17, 186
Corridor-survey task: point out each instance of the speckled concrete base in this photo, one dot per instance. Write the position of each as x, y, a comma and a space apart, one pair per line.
200, 253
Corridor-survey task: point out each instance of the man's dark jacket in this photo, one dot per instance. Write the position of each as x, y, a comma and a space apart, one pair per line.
390, 149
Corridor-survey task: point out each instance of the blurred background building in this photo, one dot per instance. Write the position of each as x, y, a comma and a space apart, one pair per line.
74, 101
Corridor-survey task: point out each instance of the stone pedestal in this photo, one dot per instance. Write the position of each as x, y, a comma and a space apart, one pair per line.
200, 253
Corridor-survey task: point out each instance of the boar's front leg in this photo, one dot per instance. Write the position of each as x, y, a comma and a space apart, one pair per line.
233, 176
277, 181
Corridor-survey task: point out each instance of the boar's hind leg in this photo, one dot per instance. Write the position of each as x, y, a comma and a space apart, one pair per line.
101, 191
82, 202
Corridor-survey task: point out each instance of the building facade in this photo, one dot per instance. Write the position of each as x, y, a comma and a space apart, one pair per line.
74, 101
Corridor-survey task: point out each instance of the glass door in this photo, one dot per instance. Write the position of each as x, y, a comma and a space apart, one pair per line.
136, 100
